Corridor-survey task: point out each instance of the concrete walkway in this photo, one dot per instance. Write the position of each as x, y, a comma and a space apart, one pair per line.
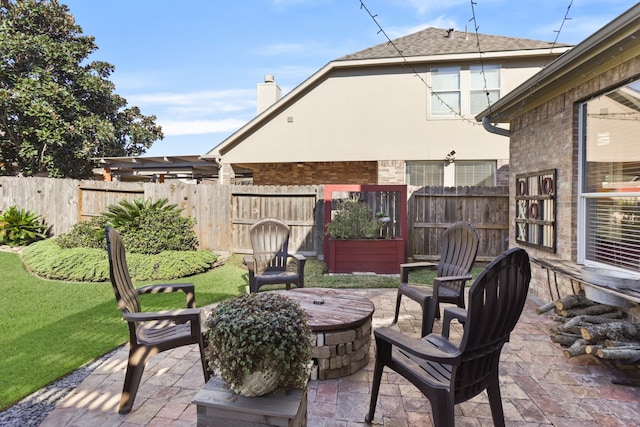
539, 387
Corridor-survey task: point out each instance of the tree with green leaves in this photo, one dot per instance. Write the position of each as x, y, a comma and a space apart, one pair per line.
58, 110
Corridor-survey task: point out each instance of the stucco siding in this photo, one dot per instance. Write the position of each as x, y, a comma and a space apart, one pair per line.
370, 114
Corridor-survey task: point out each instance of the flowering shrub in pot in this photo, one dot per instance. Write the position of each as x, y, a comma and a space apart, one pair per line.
258, 342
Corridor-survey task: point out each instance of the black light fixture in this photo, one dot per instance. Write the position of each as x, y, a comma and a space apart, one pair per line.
449, 158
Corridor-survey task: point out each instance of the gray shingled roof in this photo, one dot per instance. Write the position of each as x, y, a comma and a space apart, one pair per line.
434, 41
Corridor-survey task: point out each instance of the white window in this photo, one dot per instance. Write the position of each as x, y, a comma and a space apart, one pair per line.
475, 173
484, 85
445, 91
609, 204
425, 173
464, 173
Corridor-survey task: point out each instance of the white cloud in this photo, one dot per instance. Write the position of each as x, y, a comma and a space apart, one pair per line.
282, 49
197, 127
196, 105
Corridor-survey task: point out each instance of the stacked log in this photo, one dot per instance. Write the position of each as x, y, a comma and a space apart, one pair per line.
587, 327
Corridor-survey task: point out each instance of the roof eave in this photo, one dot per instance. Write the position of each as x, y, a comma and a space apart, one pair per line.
612, 37
233, 139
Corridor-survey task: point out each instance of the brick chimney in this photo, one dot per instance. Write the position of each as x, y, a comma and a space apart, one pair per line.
268, 93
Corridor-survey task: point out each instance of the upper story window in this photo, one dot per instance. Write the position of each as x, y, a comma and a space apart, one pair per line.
609, 204
445, 91
484, 87
463, 91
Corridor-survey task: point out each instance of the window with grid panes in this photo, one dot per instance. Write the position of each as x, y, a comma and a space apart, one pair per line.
484, 84
445, 91
425, 173
610, 176
471, 173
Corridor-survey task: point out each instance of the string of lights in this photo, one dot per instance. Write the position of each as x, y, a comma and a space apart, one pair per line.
406, 61
480, 55
523, 103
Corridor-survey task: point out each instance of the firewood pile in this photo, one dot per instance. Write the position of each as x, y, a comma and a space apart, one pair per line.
587, 327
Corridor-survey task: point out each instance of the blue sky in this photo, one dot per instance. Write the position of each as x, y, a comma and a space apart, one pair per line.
195, 64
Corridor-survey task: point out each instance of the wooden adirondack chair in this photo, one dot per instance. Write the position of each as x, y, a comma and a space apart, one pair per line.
149, 332
458, 250
268, 264
448, 374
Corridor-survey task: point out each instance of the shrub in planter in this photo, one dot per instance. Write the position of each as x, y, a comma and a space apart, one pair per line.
354, 220
259, 337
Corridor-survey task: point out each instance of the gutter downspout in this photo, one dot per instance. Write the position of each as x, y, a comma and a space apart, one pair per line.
494, 129
220, 171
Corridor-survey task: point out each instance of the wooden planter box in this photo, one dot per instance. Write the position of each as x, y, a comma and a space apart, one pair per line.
218, 406
382, 256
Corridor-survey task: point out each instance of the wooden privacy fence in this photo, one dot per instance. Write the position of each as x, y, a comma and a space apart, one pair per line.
224, 213
433, 209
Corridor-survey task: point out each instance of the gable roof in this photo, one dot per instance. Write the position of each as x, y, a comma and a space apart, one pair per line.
437, 41
428, 45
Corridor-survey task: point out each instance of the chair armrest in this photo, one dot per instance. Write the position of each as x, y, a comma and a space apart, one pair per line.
179, 316
444, 352
451, 313
412, 266
443, 279
250, 262
300, 261
298, 257
187, 288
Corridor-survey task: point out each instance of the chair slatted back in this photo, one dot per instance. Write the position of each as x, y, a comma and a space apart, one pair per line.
496, 300
458, 250
123, 288
270, 244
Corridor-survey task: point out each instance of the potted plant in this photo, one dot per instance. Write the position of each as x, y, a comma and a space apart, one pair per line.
358, 241
258, 342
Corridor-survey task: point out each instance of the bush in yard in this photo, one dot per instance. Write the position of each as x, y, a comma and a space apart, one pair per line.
20, 227
150, 227
85, 234
47, 259
161, 245
158, 231
146, 227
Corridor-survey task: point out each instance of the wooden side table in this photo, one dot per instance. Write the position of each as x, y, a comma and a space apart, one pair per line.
219, 406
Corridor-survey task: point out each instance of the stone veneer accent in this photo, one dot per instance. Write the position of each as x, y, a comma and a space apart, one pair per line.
340, 352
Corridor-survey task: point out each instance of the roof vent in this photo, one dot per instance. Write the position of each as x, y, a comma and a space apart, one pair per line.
450, 33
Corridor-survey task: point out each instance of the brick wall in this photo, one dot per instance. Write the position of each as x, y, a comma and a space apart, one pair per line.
546, 137
315, 173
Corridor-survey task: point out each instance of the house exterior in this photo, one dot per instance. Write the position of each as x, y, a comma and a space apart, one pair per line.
575, 157
395, 113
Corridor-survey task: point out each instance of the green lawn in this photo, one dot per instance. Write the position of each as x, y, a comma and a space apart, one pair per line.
51, 328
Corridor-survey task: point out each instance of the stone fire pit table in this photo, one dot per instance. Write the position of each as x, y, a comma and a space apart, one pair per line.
341, 326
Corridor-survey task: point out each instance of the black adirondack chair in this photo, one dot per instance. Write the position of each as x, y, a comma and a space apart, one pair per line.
268, 263
149, 332
448, 374
458, 250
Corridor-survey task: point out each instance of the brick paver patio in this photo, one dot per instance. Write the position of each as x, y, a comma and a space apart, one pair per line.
539, 387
